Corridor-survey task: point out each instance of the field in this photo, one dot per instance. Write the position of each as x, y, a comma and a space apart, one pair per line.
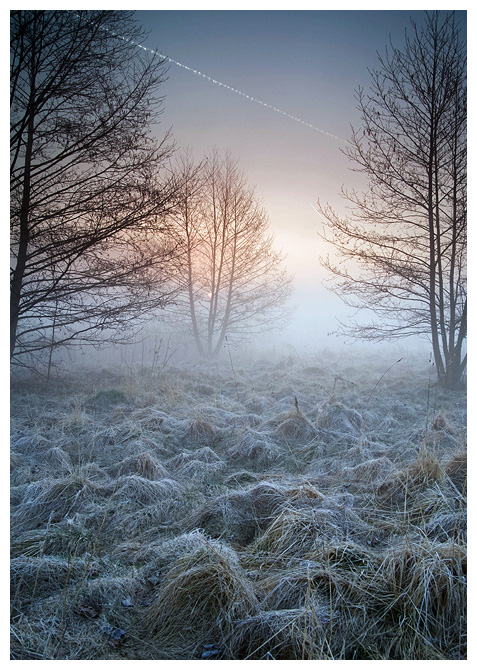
281, 508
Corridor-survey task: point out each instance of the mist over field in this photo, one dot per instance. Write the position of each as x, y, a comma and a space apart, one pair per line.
283, 505
238, 394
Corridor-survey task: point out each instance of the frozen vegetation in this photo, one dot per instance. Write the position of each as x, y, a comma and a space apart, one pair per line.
301, 508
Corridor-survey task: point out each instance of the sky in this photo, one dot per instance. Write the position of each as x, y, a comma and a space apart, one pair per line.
307, 64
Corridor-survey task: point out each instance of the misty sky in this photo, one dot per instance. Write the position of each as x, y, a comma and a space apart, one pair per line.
306, 63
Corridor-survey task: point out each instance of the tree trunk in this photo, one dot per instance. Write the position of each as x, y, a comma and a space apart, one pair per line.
24, 233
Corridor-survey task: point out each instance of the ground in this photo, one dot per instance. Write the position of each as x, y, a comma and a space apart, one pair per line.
284, 508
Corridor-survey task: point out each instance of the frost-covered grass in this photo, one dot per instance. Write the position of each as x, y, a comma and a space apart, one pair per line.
288, 509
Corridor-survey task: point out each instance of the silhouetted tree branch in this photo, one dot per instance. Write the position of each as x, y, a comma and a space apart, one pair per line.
90, 183
404, 243
235, 283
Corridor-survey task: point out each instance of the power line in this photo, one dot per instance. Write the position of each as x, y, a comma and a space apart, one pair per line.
237, 91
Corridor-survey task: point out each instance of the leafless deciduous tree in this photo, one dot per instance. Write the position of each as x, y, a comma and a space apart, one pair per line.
87, 179
404, 243
235, 282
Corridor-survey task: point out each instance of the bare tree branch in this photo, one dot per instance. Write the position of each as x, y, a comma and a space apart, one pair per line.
403, 248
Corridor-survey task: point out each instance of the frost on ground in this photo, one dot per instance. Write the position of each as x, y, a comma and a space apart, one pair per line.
283, 509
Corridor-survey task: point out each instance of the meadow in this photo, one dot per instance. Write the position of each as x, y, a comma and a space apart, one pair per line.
283, 507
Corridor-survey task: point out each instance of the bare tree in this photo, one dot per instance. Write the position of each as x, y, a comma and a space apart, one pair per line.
88, 180
405, 240
235, 283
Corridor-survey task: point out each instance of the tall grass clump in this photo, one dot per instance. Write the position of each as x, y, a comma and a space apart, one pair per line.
284, 634
428, 612
239, 515
202, 595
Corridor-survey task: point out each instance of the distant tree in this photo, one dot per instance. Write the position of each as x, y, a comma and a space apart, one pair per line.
405, 239
86, 171
235, 283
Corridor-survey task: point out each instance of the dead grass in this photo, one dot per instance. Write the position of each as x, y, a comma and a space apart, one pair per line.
201, 431
283, 634
240, 515
428, 582
144, 465
145, 491
254, 448
203, 593
160, 519
297, 532
403, 486
52, 500
339, 418
372, 470
293, 428
455, 468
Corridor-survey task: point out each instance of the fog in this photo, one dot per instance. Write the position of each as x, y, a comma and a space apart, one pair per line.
202, 464
310, 334
307, 64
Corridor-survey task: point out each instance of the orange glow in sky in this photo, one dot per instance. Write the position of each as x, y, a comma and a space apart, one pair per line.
306, 64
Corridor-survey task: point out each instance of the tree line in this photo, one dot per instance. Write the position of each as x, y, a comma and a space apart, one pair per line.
110, 225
